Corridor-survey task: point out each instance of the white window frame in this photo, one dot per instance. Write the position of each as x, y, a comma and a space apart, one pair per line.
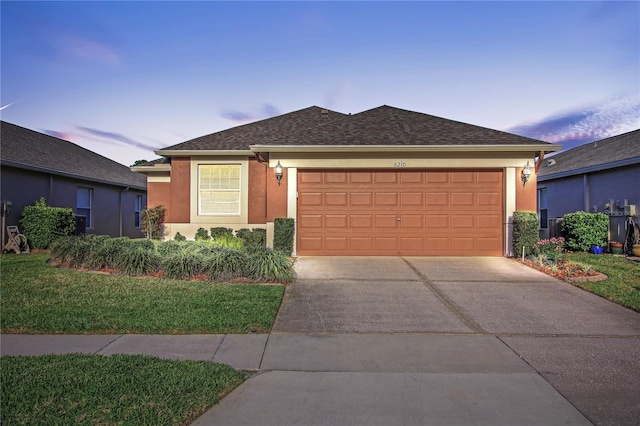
237, 190
89, 217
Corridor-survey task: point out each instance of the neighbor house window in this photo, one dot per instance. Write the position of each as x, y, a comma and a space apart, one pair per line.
542, 208
84, 204
137, 210
219, 189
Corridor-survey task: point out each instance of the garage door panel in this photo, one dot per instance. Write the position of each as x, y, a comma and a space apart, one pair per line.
390, 212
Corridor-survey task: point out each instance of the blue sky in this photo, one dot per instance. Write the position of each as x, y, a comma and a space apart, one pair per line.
126, 78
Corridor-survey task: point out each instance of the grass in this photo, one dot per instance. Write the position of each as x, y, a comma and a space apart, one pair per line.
110, 390
623, 284
38, 298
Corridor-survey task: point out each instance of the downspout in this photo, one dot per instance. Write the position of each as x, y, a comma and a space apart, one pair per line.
120, 208
587, 195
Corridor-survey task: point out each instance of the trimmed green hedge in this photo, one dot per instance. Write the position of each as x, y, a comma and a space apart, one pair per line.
582, 230
283, 230
525, 232
42, 224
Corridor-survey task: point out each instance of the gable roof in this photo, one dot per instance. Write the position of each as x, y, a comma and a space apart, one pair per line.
604, 154
28, 149
383, 127
386, 125
241, 137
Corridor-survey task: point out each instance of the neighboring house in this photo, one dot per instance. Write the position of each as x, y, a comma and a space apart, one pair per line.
385, 181
601, 176
106, 196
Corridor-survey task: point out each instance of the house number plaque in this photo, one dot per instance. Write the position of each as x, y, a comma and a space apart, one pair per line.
399, 164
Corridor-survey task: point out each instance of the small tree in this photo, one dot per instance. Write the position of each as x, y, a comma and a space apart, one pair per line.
153, 222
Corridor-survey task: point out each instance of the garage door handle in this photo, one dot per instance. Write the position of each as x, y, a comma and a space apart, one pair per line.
398, 219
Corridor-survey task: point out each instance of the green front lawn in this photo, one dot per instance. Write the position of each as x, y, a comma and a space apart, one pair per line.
38, 298
110, 390
623, 284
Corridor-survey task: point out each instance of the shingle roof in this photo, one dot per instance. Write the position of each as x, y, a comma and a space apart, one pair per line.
387, 125
259, 132
21, 147
605, 153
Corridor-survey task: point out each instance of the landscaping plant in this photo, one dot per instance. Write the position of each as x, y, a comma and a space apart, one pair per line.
283, 230
525, 232
42, 224
583, 230
153, 223
202, 234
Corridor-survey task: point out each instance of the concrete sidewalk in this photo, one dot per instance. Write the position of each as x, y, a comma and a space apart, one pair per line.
348, 379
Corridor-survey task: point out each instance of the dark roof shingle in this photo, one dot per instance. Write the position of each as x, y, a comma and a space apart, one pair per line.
26, 148
599, 153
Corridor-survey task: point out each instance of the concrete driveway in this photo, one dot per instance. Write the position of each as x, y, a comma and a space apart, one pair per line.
584, 346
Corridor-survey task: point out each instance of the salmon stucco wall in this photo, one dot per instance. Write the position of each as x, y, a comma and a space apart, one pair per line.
257, 203
159, 194
526, 195
276, 195
180, 189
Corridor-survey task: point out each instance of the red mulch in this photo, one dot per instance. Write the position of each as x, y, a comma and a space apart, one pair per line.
561, 271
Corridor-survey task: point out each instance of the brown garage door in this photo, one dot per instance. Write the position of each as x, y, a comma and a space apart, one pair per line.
409, 212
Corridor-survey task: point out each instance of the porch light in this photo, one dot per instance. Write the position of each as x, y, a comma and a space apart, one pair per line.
279, 172
526, 174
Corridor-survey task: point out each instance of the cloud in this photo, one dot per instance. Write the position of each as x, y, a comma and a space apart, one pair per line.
116, 137
264, 111
90, 50
59, 135
587, 123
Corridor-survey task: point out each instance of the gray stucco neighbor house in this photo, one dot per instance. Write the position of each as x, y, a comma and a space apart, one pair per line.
108, 195
601, 176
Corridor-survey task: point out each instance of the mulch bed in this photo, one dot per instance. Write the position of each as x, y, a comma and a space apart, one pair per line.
561, 272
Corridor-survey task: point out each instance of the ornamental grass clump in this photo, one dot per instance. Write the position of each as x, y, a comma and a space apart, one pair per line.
137, 260
184, 266
271, 266
226, 264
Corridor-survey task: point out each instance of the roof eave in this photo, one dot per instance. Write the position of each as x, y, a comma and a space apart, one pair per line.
406, 148
69, 174
207, 152
151, 169
590, 169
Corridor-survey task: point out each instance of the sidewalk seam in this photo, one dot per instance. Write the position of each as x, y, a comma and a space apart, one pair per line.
108, 344
264, 350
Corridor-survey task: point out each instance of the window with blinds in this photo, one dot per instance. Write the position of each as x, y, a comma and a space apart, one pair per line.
219, 189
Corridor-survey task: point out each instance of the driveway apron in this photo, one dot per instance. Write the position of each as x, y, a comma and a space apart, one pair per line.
428, 340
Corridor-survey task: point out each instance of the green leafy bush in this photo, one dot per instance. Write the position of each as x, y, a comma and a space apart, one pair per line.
221, 231
42, 224
226, 264
254, 239
551, 249
582, 230
179, 237
269, 265
525, 232
184, 265
202, 234
283, 230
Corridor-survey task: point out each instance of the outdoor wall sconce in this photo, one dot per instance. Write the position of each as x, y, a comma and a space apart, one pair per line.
526, 174
279, 172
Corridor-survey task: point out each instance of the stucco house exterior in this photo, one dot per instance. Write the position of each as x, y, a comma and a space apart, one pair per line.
385, 181
601, 176
106, 196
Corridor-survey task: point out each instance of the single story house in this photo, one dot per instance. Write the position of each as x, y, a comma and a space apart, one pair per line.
106, 196
601, 176
386, 181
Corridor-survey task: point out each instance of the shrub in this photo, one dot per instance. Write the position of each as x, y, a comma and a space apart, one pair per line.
227, 240
269, 265
42, 224
583, 230
255, 239
226, 264
105, 255
202, 234
552, 249
525, 232
137, 260
153, 223
183, 265
62, 248
283, 230
169, 248
221, 231
179, 237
